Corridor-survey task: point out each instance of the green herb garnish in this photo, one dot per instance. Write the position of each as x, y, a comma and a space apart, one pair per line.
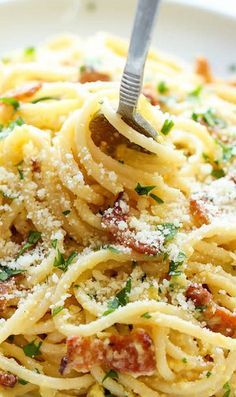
184, 360
112, 249
196, 92
201, 308
110, 374
33, 238
174, 265
22, 381
20, 172
54, 243
146, 315
162, 87
30, 52
61, 263
143, 190
6, 272
66, 212
121, 299
227, 389
218, 173
57, 310
167, 126
169, 231
210, 118
43, 98
208, 374
146, 191
32, 349
156, 198
10, 101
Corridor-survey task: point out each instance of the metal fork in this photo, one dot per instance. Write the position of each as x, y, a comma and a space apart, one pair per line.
132, 78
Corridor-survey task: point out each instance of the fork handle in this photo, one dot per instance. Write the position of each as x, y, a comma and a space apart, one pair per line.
132, 78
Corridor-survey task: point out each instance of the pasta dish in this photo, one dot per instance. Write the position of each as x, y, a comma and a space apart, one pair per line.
118, 251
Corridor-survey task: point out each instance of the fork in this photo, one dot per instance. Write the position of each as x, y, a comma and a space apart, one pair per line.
132, 78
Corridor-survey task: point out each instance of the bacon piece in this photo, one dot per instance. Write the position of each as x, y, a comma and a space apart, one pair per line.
151, 94
133, 353
198, 212
8, 380
217, 318
23, 92
89, 75
36, 167
214, 200
203, 68
6, 287
199, 295
116, 221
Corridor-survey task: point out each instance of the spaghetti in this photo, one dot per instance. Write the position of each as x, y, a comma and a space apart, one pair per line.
118, 252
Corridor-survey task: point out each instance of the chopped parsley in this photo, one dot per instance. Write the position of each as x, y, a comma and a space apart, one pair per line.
6, 272
228, 151
121, 299
169, 230
174, 265
206, 157
10, 101
195, 93
20, 172
112, 249
43, 98
110, 374
33, 238
184, 360
208, 374
200, 308
156, 198
61, 263
32, 349
162, 87
4, 132
22, 381
30, 52
167, 126
146, 191
143, 190
209, 118
57, 310
227, 389
66, 212
54, 243
218, 173
146, 315
82, 68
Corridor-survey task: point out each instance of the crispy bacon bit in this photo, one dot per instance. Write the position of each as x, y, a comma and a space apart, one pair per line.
217, 318
216, 199
89, 75
36, 167
6, 287
133, 353
199, 295
116, 221
8, 380
203, 68
198, 212
23, 92
151, 94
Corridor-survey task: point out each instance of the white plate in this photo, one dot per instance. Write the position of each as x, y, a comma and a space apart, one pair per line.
182, 29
